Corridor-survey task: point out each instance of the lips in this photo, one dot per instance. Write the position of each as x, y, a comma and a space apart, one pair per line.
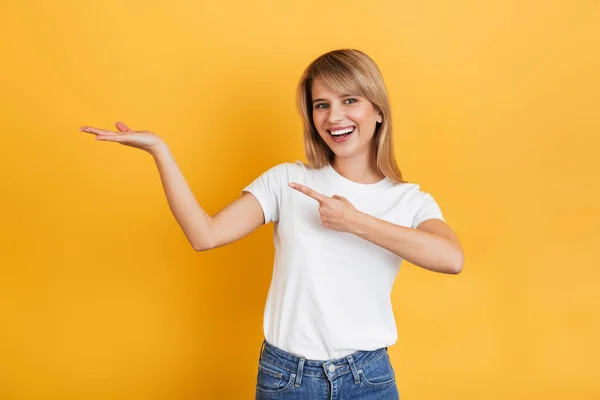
342, 130
342, 135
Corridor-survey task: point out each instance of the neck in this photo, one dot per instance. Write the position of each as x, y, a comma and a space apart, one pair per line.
359, 169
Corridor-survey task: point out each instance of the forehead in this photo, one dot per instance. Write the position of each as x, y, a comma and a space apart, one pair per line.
320, 89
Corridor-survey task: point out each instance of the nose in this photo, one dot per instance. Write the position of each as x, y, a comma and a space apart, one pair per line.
336, 113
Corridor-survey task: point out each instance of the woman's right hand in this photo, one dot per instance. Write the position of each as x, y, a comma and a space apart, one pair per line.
143, 140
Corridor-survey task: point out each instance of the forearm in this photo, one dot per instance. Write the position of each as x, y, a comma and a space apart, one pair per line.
424, 249
192, 219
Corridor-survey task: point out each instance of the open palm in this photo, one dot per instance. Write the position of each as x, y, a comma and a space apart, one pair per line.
143, 140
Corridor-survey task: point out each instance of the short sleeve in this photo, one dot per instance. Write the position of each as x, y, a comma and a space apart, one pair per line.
268, 189
429, 209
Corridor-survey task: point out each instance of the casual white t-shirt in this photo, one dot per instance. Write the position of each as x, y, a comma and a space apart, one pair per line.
330, 290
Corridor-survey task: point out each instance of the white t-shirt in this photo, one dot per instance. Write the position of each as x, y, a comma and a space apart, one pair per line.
330, 290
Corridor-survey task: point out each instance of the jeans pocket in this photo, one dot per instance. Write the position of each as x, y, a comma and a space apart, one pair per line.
272, 379
378, 373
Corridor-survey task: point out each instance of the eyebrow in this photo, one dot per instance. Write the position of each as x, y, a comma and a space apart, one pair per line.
344, 95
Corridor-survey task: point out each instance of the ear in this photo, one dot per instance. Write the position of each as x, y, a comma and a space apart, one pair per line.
379, 117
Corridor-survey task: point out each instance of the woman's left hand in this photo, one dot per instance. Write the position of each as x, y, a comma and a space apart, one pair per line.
337, 212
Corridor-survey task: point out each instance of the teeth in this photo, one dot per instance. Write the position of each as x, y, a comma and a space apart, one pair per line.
341, 132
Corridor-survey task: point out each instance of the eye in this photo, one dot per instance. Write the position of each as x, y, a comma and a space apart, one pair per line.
350, 101
318, 106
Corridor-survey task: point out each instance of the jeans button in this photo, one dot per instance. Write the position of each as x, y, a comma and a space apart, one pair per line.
331, 368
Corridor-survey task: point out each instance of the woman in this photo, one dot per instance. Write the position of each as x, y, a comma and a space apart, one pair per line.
343, 225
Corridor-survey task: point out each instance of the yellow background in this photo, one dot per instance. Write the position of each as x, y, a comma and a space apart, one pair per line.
495, 106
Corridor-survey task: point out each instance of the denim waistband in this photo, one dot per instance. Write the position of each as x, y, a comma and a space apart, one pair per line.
328, 369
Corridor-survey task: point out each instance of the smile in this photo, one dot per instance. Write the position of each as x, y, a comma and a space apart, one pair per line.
341, 135
340, 132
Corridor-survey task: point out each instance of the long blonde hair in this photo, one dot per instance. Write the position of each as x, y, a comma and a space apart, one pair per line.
348, 71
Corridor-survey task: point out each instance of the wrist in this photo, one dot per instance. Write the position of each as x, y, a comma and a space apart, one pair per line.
358, 224
159, 149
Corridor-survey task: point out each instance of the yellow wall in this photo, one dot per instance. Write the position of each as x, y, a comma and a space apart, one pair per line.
496, 110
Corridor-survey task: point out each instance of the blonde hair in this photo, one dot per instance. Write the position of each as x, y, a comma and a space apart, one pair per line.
348, 71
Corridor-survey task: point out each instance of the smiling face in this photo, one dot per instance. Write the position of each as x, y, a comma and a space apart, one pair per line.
346, 122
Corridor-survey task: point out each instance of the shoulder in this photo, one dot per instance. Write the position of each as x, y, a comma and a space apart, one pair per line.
290, 169
297, 166
290, 166
407, 190
410, 194
413, 188
286, 171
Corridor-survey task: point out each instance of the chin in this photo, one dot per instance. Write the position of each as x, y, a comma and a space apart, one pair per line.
343, 153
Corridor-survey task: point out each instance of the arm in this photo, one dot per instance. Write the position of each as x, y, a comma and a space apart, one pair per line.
205, 232
433, 245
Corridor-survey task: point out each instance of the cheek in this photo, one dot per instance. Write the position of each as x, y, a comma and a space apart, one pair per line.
317, 118
362, 116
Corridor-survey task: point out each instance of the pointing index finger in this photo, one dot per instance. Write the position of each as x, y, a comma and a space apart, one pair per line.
309, 192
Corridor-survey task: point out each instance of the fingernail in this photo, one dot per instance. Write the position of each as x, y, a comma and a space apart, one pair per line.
291, 185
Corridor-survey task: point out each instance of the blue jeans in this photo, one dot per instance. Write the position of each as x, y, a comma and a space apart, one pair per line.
362, 375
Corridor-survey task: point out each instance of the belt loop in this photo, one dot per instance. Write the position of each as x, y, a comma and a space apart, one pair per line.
353, 369
299, 372
262, 346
